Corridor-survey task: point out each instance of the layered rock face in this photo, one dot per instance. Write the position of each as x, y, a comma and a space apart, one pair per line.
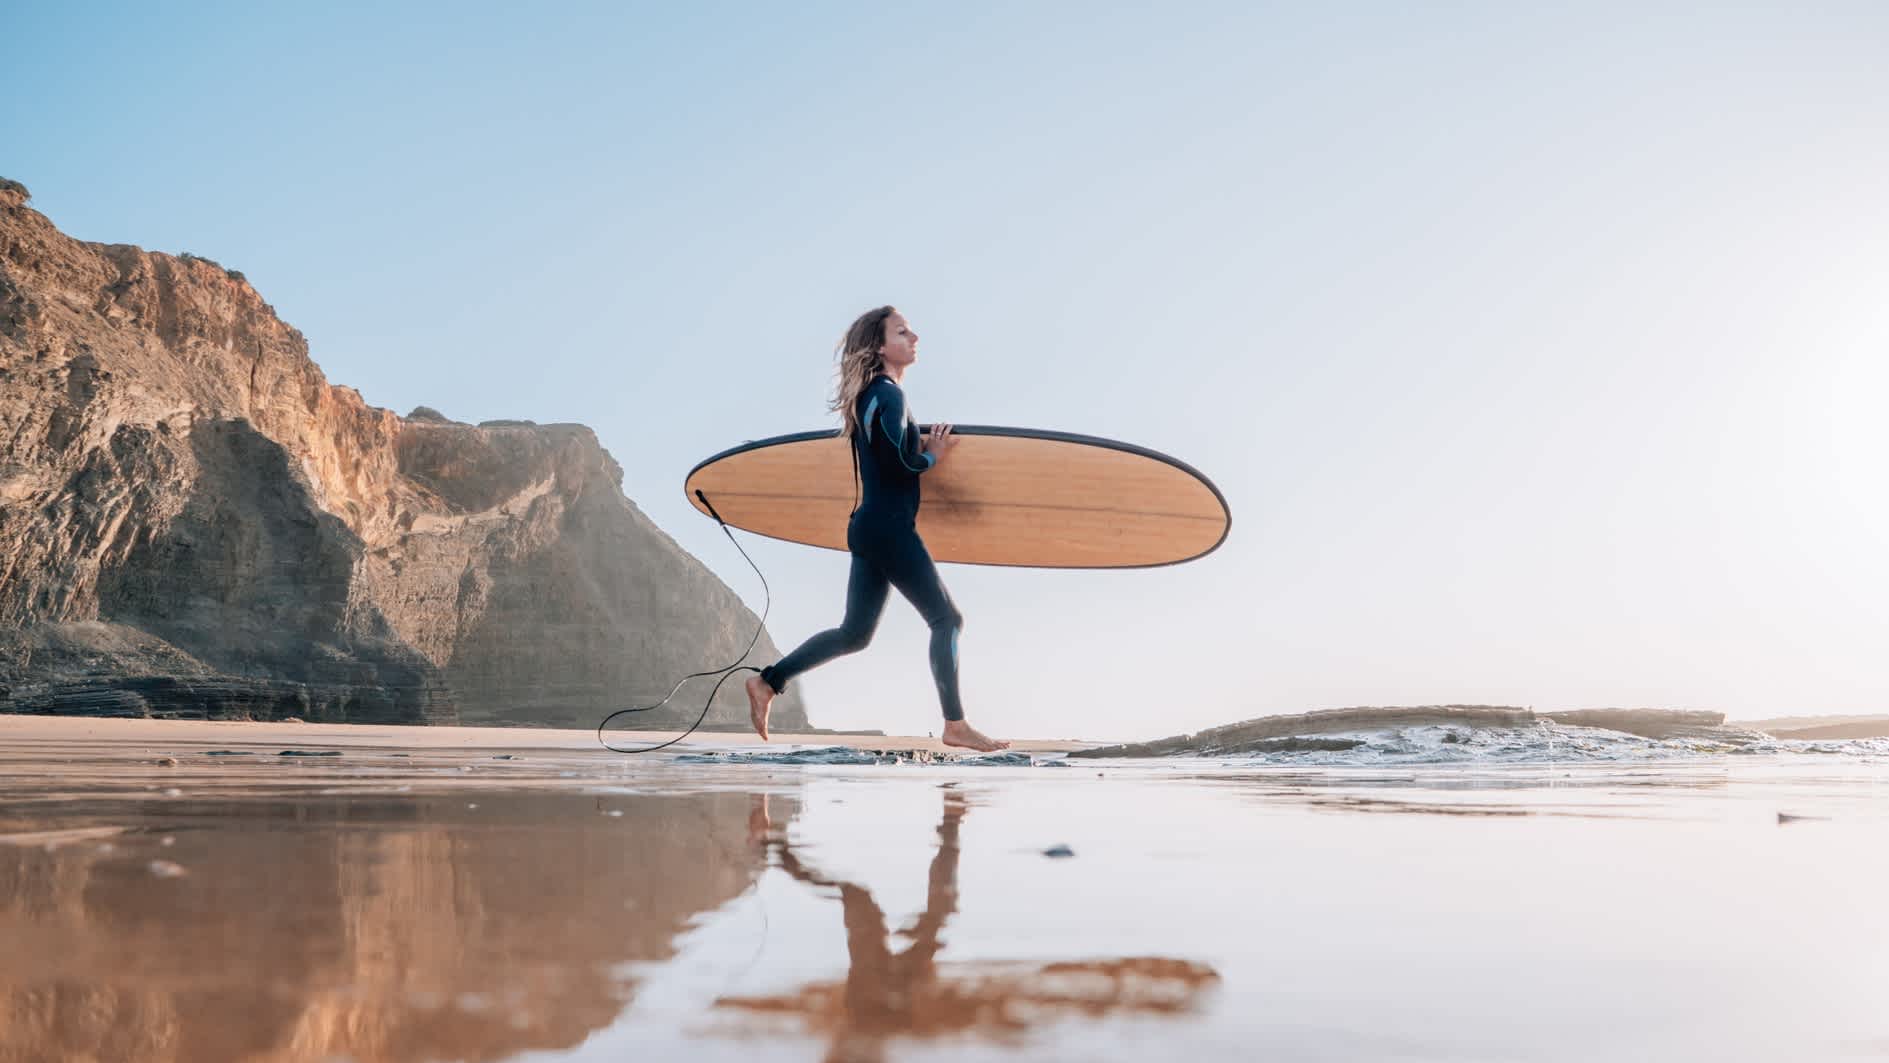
193, 521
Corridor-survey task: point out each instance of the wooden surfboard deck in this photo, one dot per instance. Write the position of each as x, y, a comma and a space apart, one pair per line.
1005, 496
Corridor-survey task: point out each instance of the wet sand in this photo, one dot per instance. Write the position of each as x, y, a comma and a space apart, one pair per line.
156, 734
182, 891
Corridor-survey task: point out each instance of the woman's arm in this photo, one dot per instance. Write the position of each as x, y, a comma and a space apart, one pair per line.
885, 417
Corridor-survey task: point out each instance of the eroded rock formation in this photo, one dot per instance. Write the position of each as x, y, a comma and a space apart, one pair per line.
193, 521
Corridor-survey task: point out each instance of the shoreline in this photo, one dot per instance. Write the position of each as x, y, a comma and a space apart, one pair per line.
22, 729
18, 729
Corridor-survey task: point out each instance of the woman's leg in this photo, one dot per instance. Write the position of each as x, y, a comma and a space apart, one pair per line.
910, 568
866, 589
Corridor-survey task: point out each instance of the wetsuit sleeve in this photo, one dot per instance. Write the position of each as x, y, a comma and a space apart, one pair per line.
886, 421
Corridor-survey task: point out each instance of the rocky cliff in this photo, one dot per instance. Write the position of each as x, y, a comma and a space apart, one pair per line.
193, 521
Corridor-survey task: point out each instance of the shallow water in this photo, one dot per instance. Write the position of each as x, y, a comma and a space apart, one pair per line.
557, 905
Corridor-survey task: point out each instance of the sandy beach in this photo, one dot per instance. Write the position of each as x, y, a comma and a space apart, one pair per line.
154, 735
212, 891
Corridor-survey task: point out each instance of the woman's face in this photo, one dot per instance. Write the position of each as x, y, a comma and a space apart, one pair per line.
901, 341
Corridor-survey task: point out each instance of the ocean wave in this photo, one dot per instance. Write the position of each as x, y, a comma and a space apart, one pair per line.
1540, 742
846, 755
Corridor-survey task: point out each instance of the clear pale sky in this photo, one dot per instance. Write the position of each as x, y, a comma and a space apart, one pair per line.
1541, 355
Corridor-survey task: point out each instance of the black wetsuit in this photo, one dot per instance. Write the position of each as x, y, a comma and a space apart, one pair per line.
886, 549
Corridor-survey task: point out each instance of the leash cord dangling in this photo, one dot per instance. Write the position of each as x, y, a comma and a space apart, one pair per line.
768, 602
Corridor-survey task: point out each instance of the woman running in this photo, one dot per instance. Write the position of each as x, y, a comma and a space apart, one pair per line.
882, 534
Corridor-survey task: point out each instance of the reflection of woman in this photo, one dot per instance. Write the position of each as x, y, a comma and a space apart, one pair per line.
884, 994
888, 994
882, 989
882, 534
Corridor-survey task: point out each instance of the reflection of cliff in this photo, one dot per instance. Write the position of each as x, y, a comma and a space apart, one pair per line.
908, 993
358, 929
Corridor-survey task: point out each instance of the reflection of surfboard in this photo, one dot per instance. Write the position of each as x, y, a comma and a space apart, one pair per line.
1005, 496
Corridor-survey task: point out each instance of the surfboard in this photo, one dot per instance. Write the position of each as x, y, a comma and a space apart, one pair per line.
1005, 496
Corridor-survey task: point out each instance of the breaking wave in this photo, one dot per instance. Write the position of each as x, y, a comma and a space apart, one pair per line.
1541, 742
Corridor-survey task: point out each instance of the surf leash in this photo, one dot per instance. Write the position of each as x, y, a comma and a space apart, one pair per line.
724, 672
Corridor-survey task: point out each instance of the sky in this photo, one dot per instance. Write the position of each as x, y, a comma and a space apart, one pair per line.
1540, 353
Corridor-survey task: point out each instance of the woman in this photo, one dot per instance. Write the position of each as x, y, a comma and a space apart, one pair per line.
882, 534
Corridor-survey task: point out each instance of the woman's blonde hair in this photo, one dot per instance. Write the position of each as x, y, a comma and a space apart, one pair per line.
860, 359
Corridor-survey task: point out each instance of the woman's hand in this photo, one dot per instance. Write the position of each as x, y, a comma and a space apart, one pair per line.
939, 441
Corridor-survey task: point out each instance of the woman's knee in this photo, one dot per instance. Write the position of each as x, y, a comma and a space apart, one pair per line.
854, 639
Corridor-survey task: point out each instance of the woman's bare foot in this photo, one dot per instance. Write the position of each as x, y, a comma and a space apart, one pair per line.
760, 699
959, 733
